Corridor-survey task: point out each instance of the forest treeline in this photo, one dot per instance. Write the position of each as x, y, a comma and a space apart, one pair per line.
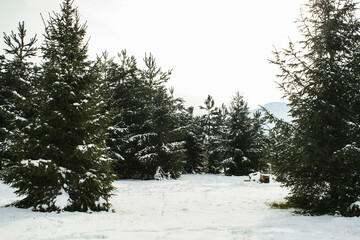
70, 125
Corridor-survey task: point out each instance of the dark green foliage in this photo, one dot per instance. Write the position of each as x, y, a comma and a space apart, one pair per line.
318, 154
214, 135
18, 80
3, 116
128, 109
146, 133
65, 155
193, 144
168, 129
232, 139
245, 139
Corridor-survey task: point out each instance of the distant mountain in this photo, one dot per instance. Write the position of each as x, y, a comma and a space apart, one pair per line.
279, 109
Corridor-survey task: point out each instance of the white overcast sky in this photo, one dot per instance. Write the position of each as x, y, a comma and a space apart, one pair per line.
214, 47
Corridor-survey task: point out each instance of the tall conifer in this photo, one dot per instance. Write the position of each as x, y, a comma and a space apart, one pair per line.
146, 134
245, 139
18, 81
214, 135
195, 157
319, 159
69, 169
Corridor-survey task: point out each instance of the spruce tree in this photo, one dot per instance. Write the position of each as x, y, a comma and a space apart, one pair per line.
319, 158
245, 139
147, 133
128, 103
214, 135
193, 143
3, 117
18, 81
168, 138
165, 148
68, 169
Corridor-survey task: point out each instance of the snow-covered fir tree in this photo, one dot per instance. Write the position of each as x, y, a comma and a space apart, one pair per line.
244, 140
214, 134
69, 169
146, 131
128, 105
195, 157
18, 80
319, 157
166, 145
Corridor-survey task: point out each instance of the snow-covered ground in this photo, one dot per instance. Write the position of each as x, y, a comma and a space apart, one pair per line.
192, 207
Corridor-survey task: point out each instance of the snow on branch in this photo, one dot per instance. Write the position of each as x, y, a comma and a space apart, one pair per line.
84, 148
36, 163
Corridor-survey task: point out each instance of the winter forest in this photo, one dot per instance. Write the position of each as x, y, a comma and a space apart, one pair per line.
73, 128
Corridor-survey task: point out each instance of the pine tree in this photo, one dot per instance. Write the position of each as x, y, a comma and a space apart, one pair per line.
168, 138
146, 134
69, 169
245, 138
165, 148
319, 159
3, 117
259, 139
193, 143
220, 139
239, 162
18, 80
214, 135
128, 101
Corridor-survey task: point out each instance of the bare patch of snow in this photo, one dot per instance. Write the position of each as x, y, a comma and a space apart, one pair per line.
192, 207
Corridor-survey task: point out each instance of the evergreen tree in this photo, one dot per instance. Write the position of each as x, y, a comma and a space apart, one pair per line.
146, 134
220, 140
319, 158
168, 138
214, 135
129, 103
3, 116
165, 148
17, 79
193, 143
245, 139
68, 169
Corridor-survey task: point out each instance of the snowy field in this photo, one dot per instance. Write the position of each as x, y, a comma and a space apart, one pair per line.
192, 207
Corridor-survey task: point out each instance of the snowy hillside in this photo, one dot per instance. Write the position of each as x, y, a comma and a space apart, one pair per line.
193, 207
